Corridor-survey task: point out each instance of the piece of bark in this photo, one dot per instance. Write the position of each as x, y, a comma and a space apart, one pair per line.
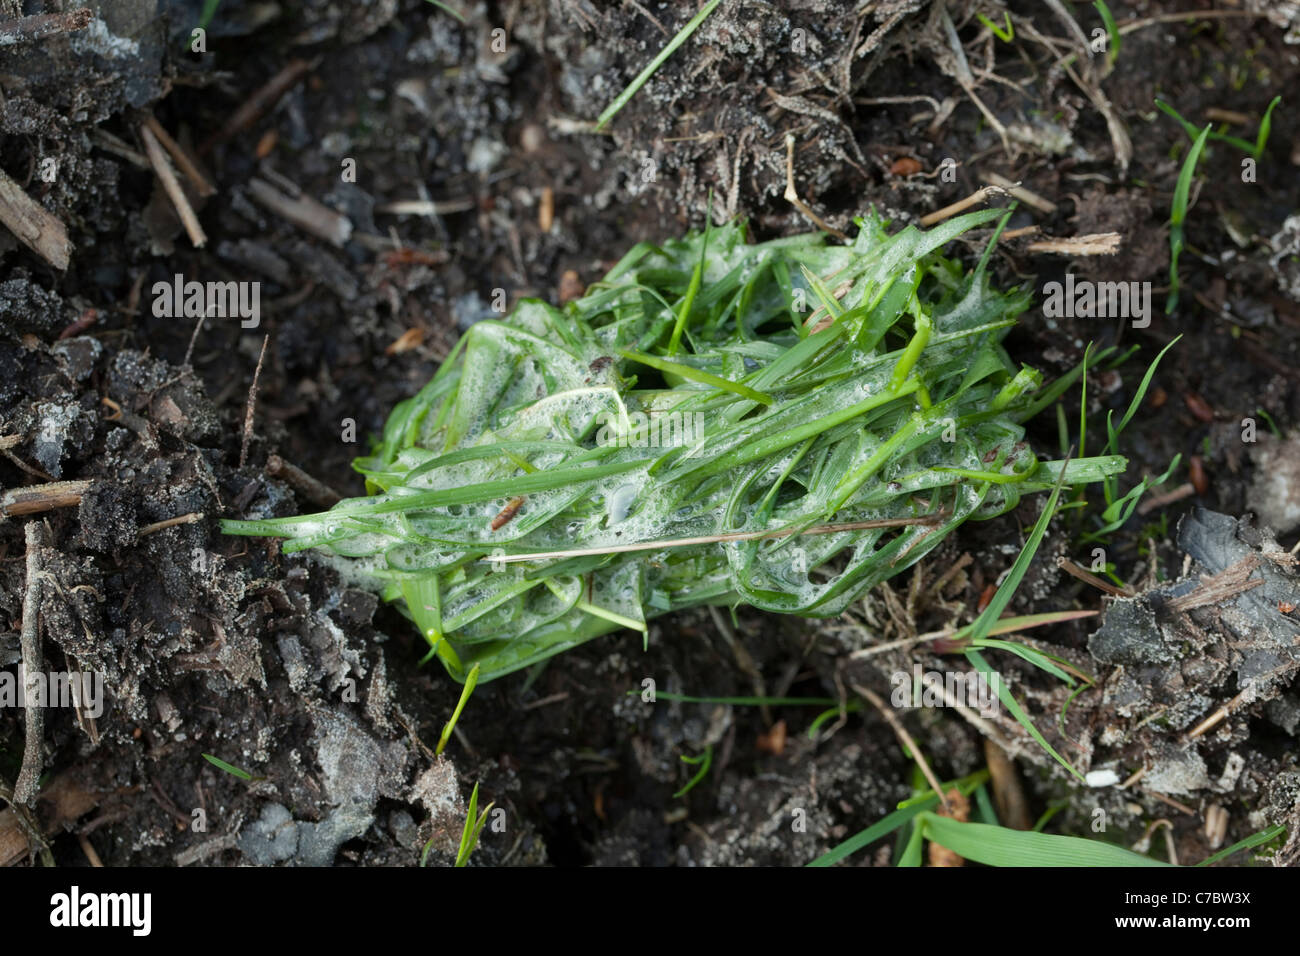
34, 226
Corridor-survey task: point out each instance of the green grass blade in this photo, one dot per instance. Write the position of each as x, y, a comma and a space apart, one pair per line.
1001, 846
1179, 213
1265, 127
682, 35
697, 375
1254, 840
470, 682
705, 761
228, 768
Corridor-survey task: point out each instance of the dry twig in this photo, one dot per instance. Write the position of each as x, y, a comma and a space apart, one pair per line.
29, 776
171, 185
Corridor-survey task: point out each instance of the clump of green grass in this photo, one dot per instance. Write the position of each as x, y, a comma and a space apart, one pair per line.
832, 413
1178, 212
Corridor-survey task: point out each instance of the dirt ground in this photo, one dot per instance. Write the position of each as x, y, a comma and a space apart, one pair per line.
216, 645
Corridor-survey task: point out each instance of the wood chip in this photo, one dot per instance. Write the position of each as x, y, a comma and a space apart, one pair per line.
35, 227
1097, 244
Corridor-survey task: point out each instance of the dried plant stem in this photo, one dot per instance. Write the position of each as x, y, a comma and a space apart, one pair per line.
905, 739
29, 776
171, 185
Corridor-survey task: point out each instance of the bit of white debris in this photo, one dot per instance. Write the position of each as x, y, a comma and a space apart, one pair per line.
97, 38
1101, 778
1274, 492
484, 155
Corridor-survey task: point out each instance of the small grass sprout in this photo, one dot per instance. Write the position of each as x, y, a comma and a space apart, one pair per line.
471, 681
474, 822
1178, 214
1007, 35
231, 769
473, 827
704, 761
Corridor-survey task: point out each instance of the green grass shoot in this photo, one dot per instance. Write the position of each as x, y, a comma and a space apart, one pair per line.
643, 77
1179, 213
1007, 35
230, 768
474, 821
907, 811
473, 827
1113, 36
704, 761
470, 683
206, 14
1118, 508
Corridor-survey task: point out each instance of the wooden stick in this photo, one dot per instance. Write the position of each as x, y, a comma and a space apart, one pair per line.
110, 143
792, 195
316, 491
905, 738
181, 157
259, 102
1087, 577
35, 498
190, 518
961, 205
1185, 490
1018, 233
425, 207
34, 226
1008, 792
162, 168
